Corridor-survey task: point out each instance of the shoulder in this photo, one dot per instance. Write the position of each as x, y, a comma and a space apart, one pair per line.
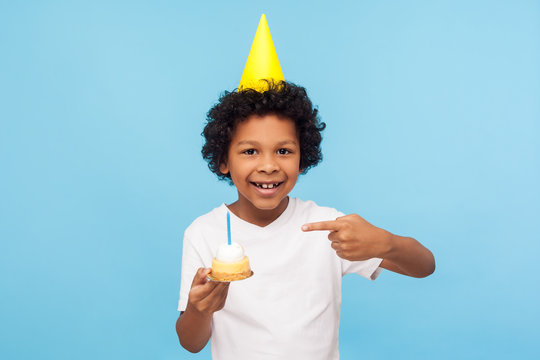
314, 212
204, 232
205, 221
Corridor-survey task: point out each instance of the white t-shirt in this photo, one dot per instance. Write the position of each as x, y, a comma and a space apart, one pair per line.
289, 308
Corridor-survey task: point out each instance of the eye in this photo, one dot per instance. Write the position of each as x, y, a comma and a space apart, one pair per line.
283, 151
249, 152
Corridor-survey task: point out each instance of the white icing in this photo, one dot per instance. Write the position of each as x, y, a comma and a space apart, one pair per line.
230, 253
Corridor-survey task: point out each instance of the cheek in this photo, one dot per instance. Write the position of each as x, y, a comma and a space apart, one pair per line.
240, 169
297, 166
293, 169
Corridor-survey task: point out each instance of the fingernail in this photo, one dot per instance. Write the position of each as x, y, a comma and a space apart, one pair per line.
305, 227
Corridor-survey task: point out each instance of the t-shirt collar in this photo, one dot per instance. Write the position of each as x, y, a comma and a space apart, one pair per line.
280, 221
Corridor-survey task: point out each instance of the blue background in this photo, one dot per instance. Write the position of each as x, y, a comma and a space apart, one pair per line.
433, 118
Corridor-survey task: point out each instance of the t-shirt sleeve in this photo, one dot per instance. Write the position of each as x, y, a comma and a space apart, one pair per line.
367, 268
191, 262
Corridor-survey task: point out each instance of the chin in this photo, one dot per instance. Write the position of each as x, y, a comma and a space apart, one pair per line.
269, 204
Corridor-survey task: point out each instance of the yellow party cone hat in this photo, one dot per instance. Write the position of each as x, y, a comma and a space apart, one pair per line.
262, 63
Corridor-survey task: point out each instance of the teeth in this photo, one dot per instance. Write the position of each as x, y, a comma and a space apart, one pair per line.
267, 186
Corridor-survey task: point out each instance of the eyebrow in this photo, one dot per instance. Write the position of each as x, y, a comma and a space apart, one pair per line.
251, 142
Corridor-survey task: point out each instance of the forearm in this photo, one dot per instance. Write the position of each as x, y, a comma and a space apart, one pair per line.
193, 329
411, 257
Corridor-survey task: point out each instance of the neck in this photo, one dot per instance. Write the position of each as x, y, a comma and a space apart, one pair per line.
260, 217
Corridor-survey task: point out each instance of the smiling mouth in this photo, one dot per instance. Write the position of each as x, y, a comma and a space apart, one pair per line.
266, 185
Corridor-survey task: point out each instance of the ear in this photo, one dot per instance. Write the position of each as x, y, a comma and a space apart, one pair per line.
223, 168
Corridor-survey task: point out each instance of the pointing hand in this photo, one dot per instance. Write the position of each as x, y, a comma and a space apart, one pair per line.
353, 238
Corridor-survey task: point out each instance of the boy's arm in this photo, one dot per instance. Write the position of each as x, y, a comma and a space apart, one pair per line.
355, 239
205, 298
407, 256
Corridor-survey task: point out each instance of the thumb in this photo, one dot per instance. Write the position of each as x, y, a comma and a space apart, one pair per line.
200, 276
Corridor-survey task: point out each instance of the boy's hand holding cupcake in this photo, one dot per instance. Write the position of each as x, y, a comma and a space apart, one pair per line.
205, 296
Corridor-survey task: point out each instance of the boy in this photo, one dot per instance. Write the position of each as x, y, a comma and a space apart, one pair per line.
261, 141
290, 308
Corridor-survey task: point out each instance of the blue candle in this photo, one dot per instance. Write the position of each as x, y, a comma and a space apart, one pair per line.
229, 228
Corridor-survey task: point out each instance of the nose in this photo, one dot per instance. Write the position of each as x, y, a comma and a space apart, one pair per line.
268, 164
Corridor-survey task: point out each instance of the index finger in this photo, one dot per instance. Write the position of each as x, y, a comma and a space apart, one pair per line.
331, 225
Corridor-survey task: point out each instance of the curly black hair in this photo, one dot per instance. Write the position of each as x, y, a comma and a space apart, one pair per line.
283, 99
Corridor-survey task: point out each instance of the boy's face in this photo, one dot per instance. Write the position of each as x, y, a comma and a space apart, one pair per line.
263, 161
